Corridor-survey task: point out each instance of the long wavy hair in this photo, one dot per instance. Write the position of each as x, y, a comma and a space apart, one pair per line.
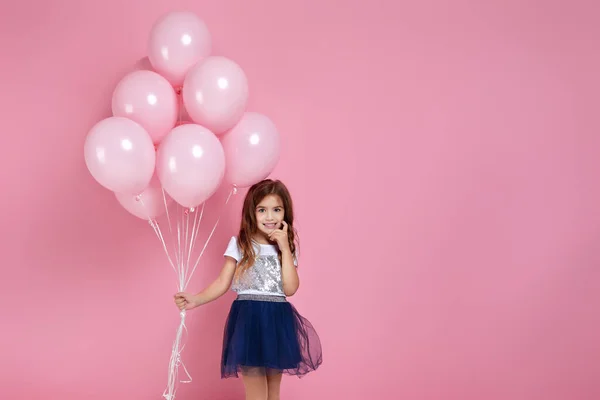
249, 226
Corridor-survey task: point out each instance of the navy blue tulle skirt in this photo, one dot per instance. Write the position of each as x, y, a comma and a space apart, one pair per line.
266, 335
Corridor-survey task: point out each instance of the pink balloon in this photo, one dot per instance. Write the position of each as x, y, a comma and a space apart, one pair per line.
190, 164
178, 40
215, 93
120, 155
251, 150
148, 99
147, 205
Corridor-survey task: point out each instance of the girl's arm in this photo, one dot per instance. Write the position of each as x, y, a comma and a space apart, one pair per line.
220, 285
289, 273
213, 291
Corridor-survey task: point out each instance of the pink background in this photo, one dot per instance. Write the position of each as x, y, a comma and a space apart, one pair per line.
443, 159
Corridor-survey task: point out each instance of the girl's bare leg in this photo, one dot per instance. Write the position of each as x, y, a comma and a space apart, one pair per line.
273, 386
255, 385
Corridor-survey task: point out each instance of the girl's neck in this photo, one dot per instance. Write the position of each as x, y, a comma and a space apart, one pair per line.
260, 239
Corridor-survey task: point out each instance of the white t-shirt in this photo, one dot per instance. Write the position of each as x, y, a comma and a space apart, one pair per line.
264, 277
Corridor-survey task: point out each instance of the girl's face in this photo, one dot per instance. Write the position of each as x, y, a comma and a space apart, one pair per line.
269, 214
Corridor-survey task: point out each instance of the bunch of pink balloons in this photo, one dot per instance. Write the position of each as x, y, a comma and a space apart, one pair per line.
146, 147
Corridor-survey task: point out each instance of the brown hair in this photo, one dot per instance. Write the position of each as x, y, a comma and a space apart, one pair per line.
248, 227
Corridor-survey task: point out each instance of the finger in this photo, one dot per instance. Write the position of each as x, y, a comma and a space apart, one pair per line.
284, 226
277, 235
274, 237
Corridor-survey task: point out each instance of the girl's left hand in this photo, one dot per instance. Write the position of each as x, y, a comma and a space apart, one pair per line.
280, 236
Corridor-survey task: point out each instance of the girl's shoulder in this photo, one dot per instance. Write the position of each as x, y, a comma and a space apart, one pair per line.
233, 249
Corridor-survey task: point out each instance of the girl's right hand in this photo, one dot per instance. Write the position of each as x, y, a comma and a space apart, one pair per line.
186, 301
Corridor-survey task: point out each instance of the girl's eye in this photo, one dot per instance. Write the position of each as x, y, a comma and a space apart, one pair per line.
278, 210
261, 210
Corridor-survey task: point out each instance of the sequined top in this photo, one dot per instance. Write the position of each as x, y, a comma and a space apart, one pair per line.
264, 277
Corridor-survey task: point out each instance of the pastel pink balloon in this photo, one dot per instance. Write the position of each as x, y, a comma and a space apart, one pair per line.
190, 164
178, 40
215, 93
252, 150
147, 205
120, 155
148, 99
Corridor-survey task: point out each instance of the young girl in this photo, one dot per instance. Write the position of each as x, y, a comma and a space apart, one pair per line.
264, 334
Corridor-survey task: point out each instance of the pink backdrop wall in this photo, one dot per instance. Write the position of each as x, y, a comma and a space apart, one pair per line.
443, 159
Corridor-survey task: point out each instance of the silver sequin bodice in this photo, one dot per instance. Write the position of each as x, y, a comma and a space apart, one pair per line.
263, 277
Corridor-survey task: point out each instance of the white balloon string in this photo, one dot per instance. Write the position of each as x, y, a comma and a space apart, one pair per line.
233, 191
195, 230
159, 234
175, 361
186, 243
177, 348
181, 267
169, 222
157, 231
180, 257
